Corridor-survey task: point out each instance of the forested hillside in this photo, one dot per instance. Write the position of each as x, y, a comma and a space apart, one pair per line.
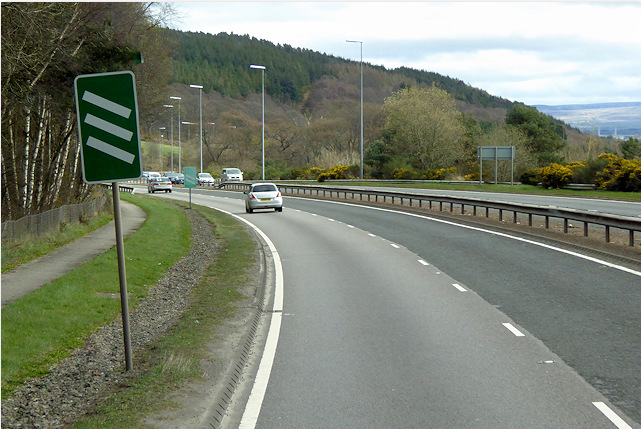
221, 63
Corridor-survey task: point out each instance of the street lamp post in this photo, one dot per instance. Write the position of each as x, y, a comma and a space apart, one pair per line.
179, 147
160, 148
200, 87
212, 132
361, 42
262, 68
172, 134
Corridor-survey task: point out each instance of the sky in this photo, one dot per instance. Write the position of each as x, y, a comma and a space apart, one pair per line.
537, 53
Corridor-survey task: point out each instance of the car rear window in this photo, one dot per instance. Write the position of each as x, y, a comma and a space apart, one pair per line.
265, 188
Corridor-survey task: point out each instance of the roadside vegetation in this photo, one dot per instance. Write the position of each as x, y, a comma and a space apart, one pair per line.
45, 326
24, 250
174, 360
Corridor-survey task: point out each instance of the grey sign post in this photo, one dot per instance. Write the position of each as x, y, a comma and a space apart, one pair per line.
496, 153
107, 113
190, 180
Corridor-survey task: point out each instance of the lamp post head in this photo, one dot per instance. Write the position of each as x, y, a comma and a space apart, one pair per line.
254, 66
167, 105
175, 98
196, 86
354, 41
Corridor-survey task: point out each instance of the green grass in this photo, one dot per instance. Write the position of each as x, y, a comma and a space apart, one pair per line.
41, 328
18, 252
175, 359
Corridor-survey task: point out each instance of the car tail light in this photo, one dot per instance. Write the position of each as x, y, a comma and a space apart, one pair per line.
251, 196
278, 194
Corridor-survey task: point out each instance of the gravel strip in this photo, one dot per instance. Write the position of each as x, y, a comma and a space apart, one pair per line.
75, 385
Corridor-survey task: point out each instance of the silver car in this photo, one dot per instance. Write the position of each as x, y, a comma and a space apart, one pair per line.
263, 196
159, 184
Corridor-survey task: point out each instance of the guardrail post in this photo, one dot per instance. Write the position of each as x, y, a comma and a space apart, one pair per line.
515, 217
451, 207
607, 233
547, 222
565, 225
501, 215
631, 238
529, 220
585, 229
440, 208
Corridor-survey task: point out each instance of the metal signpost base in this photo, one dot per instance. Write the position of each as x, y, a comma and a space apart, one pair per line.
122, 273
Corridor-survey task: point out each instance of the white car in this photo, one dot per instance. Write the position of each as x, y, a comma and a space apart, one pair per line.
263, 196
205, 179
160, 183
152, 175
231, 175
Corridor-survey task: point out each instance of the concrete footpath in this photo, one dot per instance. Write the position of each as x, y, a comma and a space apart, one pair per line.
33, 274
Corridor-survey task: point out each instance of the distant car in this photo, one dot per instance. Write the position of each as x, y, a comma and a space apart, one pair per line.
145, 175
171, 175
231, 175
205, 179
159, 183
179, 179
263, 196
152, 175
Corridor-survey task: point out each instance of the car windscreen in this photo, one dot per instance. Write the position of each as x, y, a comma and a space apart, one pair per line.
233, 171
205, 175
264, 188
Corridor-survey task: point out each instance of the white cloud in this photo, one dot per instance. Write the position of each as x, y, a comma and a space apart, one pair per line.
534, 52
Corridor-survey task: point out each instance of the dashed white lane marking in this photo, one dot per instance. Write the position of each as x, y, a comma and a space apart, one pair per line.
459, 287
423, 262
514, 330
331, 220
395, 246
614, 418
350, 226
371, 235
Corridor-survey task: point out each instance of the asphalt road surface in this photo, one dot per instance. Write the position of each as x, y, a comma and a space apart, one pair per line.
392, 320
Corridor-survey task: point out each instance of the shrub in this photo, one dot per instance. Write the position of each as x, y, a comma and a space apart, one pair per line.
530, 177
555, 176
619, 174
587, 173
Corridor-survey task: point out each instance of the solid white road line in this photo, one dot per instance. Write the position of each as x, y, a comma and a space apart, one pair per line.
514, 330
423, 262
255, 401
395, 246
614, 418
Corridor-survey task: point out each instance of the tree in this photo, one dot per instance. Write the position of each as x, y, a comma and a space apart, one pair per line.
423, 123
630, 148
44, 47
544, 141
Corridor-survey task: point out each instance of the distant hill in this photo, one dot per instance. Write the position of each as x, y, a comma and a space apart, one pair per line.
605, 119
221, 62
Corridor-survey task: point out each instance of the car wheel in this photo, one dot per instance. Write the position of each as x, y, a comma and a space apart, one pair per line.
170, 191
250, 210
279, 209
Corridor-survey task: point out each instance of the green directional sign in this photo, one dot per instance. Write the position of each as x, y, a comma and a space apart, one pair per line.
107, 112
190, 177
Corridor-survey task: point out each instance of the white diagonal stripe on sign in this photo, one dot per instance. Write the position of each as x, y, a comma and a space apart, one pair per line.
108, 127
110, 150
99, 101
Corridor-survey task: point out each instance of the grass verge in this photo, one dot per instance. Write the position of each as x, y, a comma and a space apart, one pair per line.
175, 359
15, 253
43, 326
